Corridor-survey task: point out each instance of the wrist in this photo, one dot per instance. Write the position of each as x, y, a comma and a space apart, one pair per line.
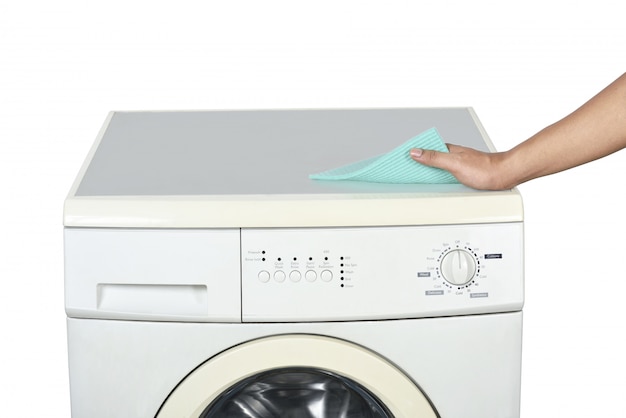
505, 173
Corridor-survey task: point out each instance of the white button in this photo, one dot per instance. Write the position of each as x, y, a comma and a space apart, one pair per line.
264, 276
326, 275
279, 276
295, 276
311, 275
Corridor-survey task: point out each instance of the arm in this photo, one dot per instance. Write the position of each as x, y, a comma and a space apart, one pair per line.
596, 129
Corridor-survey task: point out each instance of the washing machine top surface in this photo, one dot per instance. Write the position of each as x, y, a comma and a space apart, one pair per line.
251, 169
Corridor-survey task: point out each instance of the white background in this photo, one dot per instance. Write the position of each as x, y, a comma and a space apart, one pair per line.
522, 66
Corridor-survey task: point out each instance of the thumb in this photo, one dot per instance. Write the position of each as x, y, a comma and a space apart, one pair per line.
430, 158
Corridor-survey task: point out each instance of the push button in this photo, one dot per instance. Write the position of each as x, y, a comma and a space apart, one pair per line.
264, 276
310, 275
326, 275
279, 276
295, 276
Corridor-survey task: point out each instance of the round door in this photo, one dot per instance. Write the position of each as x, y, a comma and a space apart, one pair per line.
297, 375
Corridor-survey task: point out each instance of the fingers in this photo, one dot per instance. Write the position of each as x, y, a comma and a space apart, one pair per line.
444, 160
430, 158
456, 148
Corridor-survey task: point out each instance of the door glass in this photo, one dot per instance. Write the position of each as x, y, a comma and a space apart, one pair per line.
296, 393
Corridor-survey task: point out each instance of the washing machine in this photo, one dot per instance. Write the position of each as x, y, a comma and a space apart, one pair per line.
206, 275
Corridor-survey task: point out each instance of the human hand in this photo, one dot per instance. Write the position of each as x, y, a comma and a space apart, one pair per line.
595, 130
476, 169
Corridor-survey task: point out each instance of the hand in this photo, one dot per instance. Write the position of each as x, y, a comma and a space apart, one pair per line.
473, 168
596, 129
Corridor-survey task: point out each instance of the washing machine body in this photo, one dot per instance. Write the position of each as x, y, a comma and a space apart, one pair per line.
268, 294
442, 367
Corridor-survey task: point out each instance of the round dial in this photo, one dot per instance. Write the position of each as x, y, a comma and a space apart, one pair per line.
458, 267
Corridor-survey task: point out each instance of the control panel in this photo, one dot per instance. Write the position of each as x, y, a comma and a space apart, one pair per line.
313, 274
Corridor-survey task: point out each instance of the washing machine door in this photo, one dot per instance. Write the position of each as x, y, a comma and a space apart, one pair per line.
296, 375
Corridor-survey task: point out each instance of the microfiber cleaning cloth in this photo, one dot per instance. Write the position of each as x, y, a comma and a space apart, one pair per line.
395, 166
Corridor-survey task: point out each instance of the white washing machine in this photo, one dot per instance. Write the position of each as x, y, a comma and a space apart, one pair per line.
208, 276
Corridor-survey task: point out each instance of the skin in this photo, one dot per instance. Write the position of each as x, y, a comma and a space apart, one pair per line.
596, 129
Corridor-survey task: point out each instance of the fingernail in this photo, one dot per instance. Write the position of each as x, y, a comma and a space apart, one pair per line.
416, 153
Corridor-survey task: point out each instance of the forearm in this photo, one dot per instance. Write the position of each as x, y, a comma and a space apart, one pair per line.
596, 129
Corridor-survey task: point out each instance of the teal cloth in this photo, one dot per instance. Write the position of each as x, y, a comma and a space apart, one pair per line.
396, 166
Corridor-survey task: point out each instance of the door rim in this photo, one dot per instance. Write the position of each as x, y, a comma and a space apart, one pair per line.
383, 379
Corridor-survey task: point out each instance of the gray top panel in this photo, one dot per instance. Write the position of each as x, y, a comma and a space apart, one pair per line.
259, 152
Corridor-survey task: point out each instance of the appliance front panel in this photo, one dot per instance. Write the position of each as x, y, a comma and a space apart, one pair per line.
381, 273
293, 275
467, 366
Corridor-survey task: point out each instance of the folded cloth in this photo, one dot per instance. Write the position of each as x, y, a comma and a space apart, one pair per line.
396, 166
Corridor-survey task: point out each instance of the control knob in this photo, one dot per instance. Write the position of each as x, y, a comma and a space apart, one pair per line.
458, 267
